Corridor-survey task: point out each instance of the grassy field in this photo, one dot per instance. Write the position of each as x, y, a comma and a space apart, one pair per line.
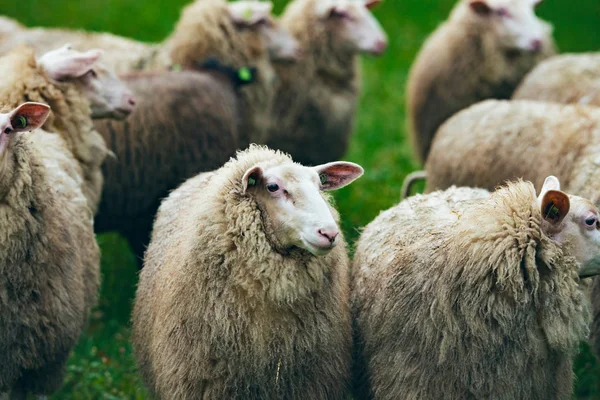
102, 365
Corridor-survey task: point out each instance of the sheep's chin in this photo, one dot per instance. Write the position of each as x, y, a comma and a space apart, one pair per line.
316, 250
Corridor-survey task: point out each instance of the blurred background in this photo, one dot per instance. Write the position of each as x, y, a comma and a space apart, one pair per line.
102, 365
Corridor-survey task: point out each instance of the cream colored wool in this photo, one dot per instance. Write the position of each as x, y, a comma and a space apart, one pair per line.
49, 262
567, 78
316, 97
24, 80
460, 64
223, 312
465, 300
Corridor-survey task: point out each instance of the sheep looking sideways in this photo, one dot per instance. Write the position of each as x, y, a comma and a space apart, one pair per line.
244, 291
77, 89
238, 34
483, 51
316, 98
485, 303
49, 259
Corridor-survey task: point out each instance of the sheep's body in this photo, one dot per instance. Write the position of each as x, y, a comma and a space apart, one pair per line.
219, 314
70, 117
205, 29
461, 310
49, 264
184, 123
567, 78
517, 139
316, 97
460, 64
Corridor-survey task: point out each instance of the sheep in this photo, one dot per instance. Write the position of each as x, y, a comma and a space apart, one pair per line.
238, 34
482, 51
244, 291
568, 78
485, 302
316, 97
76, 89
49, 259
184, 123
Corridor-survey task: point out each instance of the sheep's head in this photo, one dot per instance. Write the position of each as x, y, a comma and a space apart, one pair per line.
571, 220
513, 22
109, 97
26, 117
352, 26
255, 18
294, 209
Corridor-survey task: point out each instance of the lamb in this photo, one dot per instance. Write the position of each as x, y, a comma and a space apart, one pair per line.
483, 51
244, 292
49, 259
566, 79
316, 98
76, 89
238, 34
485, 303
184, 123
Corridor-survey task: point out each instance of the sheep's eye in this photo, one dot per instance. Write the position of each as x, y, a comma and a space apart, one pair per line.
92, 73
272, 187
591, 221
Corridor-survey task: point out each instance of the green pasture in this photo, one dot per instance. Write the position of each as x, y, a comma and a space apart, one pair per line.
102, 365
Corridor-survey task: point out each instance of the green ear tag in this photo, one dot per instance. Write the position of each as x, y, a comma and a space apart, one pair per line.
244, 74
554, 212
323, 178
21, 122
251, 181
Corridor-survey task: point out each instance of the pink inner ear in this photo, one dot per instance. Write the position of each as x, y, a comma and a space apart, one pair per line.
338, 174
480, 7
35, 115
370, 4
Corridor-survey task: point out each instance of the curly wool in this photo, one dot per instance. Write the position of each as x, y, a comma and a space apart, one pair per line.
567, 78
480, 305
316, 97
223, 311
70, 116
49, 263
460, 64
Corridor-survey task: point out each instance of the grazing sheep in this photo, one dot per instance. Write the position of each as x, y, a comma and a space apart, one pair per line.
474, 299
239, 34
49, 259
76, 89
184, 123
244, 293
483, 51
316, 98
568, 78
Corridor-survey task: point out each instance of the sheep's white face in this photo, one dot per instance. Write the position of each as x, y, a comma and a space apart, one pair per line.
353, 26
290, 197
256, 16
514, 22
26, 117
571, 220
109, 97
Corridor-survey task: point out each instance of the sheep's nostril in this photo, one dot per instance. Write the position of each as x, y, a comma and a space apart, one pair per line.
536, 45
330, 235
131, 101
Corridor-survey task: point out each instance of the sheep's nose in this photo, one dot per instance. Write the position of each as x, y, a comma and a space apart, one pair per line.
329, 234
131, 101
536, 45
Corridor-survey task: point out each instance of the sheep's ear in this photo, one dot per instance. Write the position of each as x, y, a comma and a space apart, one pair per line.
550, 183
249, 13
338, 174
328, 9
66, 63
251, 178
555, 206
480, 7
28, 116
370, 4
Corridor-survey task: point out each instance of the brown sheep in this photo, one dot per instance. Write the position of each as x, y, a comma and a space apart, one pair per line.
49, 259
568, 78
62, 79
184, 123
483, 51
244, 291
474, 299
316, 98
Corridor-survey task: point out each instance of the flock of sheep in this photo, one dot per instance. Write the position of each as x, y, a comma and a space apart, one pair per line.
246, 287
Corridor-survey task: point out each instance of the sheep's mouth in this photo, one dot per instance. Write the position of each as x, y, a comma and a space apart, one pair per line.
318, 249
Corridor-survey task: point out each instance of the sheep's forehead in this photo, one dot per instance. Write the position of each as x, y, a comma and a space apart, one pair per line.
292, 175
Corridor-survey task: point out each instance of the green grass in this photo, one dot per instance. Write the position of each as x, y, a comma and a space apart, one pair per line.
102, 365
